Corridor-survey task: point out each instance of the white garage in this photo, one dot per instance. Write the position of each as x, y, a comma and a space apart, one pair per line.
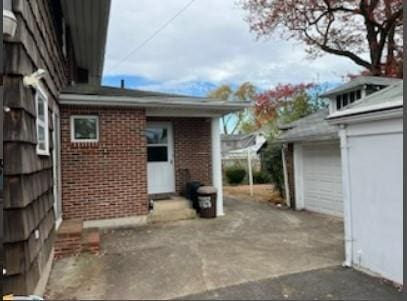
313, 167
318, 177
372, 160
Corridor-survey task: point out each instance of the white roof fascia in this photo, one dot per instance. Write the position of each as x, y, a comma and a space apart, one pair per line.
149, 102
368, 116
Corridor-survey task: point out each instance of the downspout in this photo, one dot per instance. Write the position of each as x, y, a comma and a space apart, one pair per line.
347, 198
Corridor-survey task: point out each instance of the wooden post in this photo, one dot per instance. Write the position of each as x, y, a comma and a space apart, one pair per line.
249, 167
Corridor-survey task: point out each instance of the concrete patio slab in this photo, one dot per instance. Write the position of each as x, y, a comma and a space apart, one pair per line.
252, 242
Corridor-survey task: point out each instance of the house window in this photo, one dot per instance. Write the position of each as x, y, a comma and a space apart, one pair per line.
358, 94
41, 104
344, 100
157, 144
352, 97
338, 102
84, 128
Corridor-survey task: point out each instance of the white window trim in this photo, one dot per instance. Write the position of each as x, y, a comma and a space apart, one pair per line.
40, 92
73, 139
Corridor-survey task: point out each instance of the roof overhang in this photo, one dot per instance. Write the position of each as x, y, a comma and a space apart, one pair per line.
310, 138
158, 106
88, 22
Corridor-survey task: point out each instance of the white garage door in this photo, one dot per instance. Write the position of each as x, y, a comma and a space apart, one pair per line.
322, 179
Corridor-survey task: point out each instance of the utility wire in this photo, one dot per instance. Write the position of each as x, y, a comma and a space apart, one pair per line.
153, 35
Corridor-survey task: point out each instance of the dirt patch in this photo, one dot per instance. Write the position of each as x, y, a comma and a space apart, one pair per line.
264, 193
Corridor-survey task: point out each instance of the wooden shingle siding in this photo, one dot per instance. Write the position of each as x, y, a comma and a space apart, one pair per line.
28, 183
29, 218
18, 97
22, 189
27, 280
29, 249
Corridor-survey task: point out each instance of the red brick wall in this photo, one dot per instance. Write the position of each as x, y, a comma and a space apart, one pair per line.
107, 179
192, 150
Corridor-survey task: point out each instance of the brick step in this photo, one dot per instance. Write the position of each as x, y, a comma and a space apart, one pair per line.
91, 241
72, 239
68, 241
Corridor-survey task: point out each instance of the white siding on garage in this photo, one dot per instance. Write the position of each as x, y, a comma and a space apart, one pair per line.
320, 186
376, 188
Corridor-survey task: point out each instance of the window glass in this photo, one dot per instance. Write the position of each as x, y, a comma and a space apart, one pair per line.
42, 123
344, 100
85, 128
41, 109
352, 97
338, 102
157, 136
41, 138
157, 154
358, 94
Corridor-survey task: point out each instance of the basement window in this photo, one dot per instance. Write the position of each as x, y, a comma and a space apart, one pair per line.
41, 105
85, 128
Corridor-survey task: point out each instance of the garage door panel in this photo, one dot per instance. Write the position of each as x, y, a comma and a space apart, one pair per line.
322, 178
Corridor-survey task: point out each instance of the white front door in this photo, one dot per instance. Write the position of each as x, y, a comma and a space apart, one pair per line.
160, 158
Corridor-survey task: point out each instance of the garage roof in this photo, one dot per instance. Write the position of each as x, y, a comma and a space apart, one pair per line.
310, 128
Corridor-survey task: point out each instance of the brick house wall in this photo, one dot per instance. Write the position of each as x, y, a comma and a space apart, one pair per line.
107, 179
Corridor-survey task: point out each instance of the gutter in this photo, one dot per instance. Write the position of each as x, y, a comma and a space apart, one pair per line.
347, 197
145, 102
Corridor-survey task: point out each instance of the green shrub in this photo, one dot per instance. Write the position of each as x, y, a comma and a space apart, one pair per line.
273, 163
235, 175
261, 177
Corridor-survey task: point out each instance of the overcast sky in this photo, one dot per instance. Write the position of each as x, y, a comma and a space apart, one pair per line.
207, 45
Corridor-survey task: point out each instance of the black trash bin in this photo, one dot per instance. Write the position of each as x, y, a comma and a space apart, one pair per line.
192, 193
207, 201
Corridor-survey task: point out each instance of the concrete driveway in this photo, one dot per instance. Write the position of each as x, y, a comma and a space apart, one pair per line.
251, 243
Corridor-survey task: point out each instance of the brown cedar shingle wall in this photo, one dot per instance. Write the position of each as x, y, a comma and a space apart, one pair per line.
106, 179
28, 197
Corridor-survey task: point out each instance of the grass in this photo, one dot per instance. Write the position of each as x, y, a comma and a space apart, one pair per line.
263, 193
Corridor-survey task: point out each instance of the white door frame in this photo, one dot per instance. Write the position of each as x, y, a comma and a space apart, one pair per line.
171, 161
56, 163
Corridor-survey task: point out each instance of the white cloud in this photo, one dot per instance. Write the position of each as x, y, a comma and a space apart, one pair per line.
210, 41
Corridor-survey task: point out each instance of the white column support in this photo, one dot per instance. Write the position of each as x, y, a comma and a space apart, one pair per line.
250, 169
217, 163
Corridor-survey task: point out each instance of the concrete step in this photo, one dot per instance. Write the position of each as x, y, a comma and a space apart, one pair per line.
172, 215
172, 204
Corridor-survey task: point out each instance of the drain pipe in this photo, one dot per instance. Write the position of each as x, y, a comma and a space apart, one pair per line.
347, 199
